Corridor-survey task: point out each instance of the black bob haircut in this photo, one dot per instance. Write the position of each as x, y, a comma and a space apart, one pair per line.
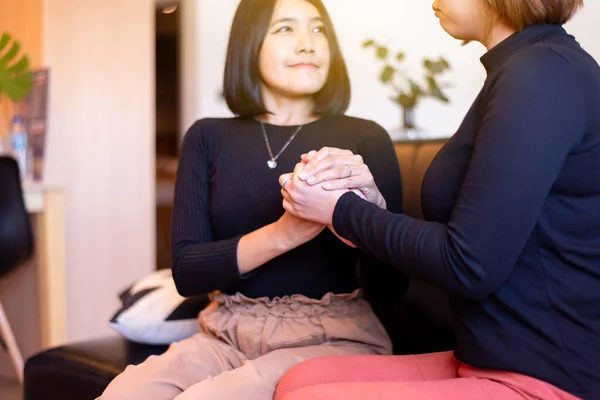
242, 79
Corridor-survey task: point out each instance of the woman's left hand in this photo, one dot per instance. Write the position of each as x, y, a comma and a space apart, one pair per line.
334, 169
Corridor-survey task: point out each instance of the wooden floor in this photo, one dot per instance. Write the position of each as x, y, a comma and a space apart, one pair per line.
10, 390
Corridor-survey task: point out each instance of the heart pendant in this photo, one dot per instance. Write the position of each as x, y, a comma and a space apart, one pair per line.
272, 164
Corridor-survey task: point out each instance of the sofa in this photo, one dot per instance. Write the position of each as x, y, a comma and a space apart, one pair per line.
422, 320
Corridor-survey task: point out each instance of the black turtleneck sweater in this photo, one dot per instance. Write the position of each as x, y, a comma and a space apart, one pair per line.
224, 190
513, 209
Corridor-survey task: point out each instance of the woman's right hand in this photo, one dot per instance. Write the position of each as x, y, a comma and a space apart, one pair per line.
291, 177
264, 244
294, 231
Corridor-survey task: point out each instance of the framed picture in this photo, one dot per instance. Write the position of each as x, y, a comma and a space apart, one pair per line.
36, 119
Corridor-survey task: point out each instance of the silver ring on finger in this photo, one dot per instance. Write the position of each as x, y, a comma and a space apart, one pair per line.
286, 180
350, 169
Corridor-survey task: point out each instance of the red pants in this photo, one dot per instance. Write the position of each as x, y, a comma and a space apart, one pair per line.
417, 377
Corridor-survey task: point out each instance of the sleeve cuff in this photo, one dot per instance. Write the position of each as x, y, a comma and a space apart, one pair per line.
338, 220
218, 264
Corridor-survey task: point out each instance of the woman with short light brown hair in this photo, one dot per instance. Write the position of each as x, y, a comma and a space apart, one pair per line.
512, 229
521, 14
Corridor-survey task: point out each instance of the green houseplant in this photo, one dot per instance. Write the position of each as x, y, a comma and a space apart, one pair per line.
15, 78
406, 91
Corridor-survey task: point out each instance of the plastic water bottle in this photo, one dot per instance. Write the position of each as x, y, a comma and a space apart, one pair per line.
18, 141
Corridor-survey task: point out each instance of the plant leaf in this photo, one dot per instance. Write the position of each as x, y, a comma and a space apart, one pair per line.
437, 67
4, 41
427, 64
21, 66
406, 101
387, 74
443, 97
403, 100
369, 43
415, 88
445, 63
432, 84
11, 53
15, 76
382, 52
16, 87
435, 91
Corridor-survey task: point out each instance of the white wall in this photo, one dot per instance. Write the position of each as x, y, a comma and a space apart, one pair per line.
586, 29
403, 24
189, 57
101, 148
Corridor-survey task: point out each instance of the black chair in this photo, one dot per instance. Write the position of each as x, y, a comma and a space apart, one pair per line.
16, 243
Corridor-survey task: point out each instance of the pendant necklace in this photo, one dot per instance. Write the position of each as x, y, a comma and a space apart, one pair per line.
272, 162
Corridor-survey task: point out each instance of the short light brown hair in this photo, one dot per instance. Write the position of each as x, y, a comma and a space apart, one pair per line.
521, 14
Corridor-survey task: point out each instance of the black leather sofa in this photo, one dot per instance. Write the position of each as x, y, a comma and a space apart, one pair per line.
81, 371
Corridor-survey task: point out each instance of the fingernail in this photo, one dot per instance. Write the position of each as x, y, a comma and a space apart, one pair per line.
302, 175
327, 186
311, 180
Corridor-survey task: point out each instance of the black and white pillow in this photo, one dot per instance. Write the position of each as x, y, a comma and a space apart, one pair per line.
153, 312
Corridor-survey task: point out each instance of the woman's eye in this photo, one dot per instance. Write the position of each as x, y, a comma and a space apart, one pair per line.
283, 29
286, 29
319, 29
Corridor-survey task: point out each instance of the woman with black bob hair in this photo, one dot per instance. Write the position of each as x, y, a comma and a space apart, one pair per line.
286, 289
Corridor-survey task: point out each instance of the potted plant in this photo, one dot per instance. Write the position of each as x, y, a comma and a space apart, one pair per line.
15, 79
407, 92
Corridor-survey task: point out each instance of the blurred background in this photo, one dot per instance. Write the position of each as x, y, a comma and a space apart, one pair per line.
126, 78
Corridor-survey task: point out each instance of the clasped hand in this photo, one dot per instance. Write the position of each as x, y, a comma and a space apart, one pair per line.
318, 181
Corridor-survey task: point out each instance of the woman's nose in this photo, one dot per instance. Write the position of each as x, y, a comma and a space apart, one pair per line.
305, 43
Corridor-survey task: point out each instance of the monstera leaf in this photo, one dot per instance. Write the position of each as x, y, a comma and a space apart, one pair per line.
15, 76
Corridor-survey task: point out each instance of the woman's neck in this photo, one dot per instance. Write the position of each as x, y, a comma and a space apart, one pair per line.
288, 111
499, 32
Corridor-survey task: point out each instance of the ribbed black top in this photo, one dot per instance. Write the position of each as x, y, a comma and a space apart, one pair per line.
513, 209
225, 190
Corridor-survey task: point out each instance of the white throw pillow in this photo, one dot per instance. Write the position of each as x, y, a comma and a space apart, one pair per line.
152, 311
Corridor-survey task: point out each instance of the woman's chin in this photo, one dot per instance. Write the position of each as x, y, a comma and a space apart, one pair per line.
454, 32
303, 91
